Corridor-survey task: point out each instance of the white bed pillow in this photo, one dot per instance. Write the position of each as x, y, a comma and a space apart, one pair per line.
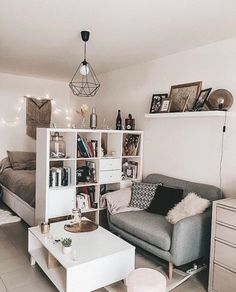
191, 205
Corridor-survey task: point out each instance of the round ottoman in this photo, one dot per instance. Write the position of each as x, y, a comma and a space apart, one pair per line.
146, 280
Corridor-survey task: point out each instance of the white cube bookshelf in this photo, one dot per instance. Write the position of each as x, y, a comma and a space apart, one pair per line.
52, 202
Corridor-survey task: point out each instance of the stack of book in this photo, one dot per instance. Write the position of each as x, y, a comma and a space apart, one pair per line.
129, 169
59, 176
86, 148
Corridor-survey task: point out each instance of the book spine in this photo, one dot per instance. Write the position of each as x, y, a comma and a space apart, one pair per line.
95, 147
82, 149
85, 147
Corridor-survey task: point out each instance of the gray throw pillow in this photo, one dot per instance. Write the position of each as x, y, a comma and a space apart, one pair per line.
142, 194
22, 160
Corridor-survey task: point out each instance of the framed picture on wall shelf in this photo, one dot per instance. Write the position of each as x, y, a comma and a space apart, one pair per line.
165, 104
183, 96
157, 102
200, 102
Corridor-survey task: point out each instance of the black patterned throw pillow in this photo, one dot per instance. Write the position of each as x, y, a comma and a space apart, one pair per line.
142, 194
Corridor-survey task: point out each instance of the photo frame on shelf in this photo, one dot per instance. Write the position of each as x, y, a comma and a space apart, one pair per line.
156, 102
202, 97
165, 104
183, 96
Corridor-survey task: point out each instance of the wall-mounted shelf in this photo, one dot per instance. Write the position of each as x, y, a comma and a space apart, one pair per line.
189, 114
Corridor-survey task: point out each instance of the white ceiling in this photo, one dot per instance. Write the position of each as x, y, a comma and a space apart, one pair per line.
41, 37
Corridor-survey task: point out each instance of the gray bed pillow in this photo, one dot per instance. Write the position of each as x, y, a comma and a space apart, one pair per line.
22, 160
4, 164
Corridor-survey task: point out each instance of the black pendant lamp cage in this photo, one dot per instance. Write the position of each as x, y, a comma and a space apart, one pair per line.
84, 83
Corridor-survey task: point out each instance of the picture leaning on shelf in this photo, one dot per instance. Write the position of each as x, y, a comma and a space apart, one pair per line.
131, 145
129, 169
85, 198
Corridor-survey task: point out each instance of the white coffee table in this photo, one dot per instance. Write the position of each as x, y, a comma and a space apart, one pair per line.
102, 258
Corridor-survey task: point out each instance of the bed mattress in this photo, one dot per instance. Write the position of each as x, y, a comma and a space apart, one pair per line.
21, 183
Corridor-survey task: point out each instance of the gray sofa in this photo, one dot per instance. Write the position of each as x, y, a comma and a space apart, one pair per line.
178, 244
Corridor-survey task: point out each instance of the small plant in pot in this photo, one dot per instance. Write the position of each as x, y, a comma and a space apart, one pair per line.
66, 245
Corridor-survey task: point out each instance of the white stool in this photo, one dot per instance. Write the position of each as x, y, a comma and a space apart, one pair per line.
146, 280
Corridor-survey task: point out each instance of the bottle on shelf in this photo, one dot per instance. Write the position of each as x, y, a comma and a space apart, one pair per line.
93, 119
118, 121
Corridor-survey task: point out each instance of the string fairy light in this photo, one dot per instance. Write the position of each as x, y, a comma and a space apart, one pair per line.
19, 107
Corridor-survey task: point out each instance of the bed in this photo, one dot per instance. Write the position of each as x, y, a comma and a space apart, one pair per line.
17, 180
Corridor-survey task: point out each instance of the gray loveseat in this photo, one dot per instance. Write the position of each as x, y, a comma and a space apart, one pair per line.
178, 244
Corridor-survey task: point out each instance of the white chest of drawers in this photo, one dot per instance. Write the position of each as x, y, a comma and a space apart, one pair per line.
222, 277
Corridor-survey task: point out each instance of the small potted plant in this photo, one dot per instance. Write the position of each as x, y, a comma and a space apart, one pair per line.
66, 245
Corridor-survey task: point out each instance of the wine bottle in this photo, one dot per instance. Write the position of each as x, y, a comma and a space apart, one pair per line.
118, 121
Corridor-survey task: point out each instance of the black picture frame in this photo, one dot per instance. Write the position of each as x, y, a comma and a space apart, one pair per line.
156, 102
202, 97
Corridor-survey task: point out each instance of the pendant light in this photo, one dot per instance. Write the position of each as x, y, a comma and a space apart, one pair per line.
84, 82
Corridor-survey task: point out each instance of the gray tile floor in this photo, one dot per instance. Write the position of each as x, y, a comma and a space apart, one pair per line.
16, 274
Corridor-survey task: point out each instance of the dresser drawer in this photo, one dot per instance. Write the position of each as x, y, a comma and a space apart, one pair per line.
223, 280
110, 164
226, 216
226, 233
110, 176
225, 254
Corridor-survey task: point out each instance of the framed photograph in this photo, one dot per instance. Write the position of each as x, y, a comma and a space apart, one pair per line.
165, 106
156, 102
203, 95
183, 96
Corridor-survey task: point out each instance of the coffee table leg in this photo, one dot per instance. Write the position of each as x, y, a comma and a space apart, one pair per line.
32, 261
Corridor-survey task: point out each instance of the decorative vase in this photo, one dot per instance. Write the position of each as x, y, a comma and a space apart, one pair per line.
66, 249
83, 123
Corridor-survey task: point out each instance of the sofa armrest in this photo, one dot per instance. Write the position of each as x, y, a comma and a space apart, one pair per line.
191, 238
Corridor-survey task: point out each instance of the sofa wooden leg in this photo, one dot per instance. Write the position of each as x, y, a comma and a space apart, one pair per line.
171, 267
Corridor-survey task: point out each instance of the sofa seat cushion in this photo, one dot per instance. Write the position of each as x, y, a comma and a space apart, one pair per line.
152, 228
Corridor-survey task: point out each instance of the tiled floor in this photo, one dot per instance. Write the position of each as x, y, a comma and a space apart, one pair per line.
16, 274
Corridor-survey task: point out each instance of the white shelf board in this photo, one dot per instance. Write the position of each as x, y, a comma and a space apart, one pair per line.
56, 275
87, 158
84, 184
61, 188
62, 159
189, 114
77, 130
131, 156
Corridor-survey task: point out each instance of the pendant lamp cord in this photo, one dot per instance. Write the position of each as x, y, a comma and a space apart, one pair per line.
84, 51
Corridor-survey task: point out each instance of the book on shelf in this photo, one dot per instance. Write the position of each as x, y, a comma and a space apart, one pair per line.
86, 148
131, 145
59, 176
129, 169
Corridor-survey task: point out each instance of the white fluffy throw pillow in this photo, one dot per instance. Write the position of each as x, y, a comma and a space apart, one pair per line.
191, 205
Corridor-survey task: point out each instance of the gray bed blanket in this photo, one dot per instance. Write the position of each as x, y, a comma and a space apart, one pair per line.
21, 183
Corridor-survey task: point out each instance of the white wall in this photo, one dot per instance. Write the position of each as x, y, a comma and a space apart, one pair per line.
12, 89
184, 148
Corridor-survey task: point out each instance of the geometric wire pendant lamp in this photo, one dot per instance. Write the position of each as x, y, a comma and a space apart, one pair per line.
84, 82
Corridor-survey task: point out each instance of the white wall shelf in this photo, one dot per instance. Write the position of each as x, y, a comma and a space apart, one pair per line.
189, 114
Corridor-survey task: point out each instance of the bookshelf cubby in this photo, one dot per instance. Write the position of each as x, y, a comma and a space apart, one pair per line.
93, 165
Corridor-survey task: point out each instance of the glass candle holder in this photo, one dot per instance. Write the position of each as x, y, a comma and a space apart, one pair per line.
76, 215
57, 146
